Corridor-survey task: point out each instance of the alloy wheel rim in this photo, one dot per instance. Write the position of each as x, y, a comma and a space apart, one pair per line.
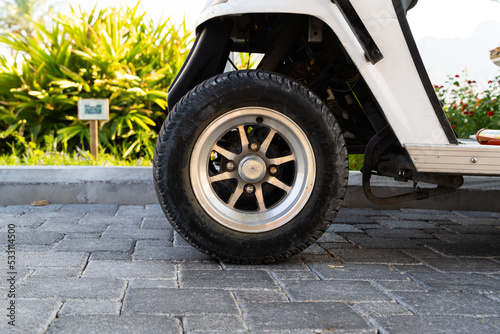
252, 169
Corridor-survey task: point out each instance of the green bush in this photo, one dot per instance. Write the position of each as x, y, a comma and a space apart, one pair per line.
469, 108
112, 53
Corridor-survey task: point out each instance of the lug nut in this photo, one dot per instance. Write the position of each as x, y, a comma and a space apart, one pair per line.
230, 166
249, 189
273, 170
254, 146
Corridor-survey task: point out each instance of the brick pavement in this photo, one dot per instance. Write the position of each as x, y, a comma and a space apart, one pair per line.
122, 269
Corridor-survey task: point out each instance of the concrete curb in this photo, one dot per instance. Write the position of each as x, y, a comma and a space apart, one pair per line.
21, 185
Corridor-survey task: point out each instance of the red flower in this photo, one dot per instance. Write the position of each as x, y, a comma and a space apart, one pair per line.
457, 76
491, 113
490, 81
471, 113
453, 127
465, 112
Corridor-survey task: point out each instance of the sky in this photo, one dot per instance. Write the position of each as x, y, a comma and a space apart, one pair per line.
437, 25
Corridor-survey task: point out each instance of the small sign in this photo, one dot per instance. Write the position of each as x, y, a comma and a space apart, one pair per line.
93, 109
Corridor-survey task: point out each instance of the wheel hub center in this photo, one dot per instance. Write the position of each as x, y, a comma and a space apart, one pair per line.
252, 169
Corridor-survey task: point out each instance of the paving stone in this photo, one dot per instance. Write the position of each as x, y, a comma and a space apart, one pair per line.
47, 210
494, 296
92, 288
129, 270
464, 265
478, 214
92, 245
466, 250
368, 242
365, 227
67, 227
34, 237
117, 232
357, 272
156, 208
334, 291
343, 228
421, 254
331, 317
422, 215
32, 316
397, 233
102, 209
116, 324
21, 276
315, 249
57, 272
139, 211
474, 229
387, 286
436, 324
50, 259
144, 251
233, 279
156, 223
103, 220
199, 266
381, 256
24, 222
453, 282
291, 264
76, 235
409, 224
153, 284
33, 248
90, 307
15, 209
187, 302
476, 221
462, 304
419, 268
357, 212
219, 324
103, 256
477, 239
337, 245
354, 219
370, 310
428, 211
295, 275
309, 259
260, 296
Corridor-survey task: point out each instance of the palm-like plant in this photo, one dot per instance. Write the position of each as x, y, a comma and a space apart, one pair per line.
111, 53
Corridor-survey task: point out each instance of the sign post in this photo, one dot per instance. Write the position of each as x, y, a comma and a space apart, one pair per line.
93, 110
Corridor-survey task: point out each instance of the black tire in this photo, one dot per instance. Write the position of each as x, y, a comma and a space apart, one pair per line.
238, 97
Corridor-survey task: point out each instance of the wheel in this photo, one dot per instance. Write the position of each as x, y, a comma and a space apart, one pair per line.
250, 167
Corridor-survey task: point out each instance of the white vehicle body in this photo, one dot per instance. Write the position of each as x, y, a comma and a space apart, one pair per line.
395, 80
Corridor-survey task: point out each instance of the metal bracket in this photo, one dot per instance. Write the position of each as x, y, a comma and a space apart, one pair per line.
378, 145
372, 51
315, 30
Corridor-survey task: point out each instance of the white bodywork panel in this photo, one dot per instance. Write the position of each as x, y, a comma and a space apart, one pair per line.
394, 80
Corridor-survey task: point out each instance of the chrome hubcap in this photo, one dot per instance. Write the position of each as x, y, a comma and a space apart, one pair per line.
252, 169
